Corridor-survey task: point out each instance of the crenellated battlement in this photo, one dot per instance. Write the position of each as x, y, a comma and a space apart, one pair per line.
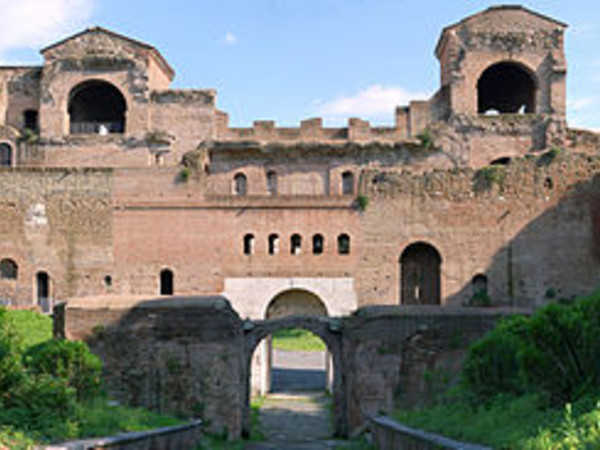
310, 130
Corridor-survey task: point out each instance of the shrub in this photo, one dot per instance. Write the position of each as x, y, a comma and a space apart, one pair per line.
492, 365
491, 175
11, 369
560, 351
554, 352
69, 360
184, 174
426, 139
362, 201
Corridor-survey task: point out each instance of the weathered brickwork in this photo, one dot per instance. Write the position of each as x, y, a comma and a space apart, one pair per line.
192, 355
116, 184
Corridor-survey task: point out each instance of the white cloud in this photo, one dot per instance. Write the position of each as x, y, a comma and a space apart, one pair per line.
37, 23
582, 103
373, 103
230, 38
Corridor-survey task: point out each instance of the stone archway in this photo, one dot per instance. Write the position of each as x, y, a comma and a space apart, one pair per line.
507, 88
96, 107
294, 302
327, 329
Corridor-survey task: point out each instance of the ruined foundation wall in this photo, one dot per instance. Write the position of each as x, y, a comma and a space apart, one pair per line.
180, 356
405, 356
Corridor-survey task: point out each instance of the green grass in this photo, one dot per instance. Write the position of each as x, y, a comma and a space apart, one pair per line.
513, 423
32, 328
297, 339
94, 418
99, 418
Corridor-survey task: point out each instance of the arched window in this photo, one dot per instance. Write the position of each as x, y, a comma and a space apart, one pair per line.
273, 244
248, 244
420, 265
348, 183
96, 107
240, 184
318, 244
506, 88
343, 244
295, 244
479, 285
30, 120
167, 284
6, 155
272, 182
42, 282
8, 270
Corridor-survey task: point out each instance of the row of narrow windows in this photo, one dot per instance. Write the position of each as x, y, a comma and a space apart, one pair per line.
240, 183
318, 244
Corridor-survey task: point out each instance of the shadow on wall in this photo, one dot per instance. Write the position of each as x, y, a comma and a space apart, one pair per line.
555, 255
180, 355
531, 228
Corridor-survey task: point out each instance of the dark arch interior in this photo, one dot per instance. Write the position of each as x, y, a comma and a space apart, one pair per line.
8, 270
43, 291
480, 284
420, 267
30, 120
97, 107
5, 155
507, 88
166, 282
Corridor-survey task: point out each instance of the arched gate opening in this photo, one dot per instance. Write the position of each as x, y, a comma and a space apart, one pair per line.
327, 330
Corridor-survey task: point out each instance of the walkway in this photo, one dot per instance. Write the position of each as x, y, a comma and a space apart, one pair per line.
297, 371
295, 422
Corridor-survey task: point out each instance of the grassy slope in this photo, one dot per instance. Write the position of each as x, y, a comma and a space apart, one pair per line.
297, 340
95, 418
32, 328
513, 423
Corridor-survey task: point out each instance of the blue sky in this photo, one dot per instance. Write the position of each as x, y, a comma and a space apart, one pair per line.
287, 60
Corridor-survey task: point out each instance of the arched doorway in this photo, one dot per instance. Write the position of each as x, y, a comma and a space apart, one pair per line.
506, 88
6, 155
276, 366
328, 330
420, 265
167, 283
96, 107
43, 294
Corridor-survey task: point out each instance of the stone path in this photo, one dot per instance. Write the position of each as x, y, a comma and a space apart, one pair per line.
295, 422
295, 371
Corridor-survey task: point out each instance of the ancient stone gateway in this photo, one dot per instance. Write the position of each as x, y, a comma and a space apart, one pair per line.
289, 302
328, 329
192, 355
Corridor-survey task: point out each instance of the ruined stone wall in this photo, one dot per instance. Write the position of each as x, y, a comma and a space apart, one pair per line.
178, 356
405, 356
186, 116
19, 91
191, 356
97, 56
59, 222
504, 34
529, 227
